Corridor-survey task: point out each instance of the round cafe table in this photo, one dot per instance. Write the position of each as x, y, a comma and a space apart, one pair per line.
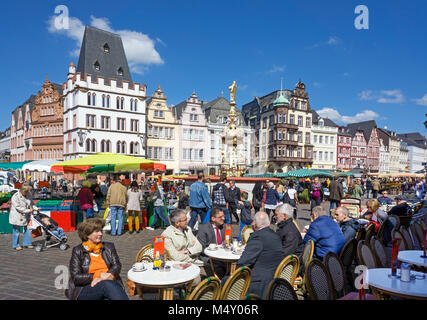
225, 255
413, 257
414, 289
164, 281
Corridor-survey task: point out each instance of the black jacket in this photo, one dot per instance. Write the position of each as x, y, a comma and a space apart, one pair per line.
79, 268
349, 228
246, 213
234, 197
206, 235
291, 238
401, 210
263, 253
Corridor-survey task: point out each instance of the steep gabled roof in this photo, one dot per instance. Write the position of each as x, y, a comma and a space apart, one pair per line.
92, 51
327, 122
414, 139
385, 136
218, 107
31, 100
365, 126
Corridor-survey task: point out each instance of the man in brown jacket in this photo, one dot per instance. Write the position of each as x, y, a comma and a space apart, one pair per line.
376, 186
336, 194
116, 200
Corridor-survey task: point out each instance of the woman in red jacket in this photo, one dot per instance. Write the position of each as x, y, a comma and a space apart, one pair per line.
86, 200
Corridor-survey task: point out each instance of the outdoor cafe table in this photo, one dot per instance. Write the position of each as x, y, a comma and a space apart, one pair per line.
225, 255
413, 257
164, 281
379, 279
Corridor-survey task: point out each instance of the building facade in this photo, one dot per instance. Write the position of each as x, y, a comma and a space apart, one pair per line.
163, 134
359, 150
324, 136
282, 121
193, 135
47, 124
20, 132
104, 110
5, 145
384, 165
216, 112
417, 150
403, 157
373, 144
343, 149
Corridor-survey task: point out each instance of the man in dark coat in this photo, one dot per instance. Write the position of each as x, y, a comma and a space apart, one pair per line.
336, 194
234, 198
288, 232
213, 232
263, 253
349, 226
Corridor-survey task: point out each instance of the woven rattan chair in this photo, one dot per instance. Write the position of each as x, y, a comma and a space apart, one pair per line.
246, 232
208, 289
237, 285
395, 220
366, 257
360, 235
296, 224
370, 232
348, 253
280, 289
337, 273
408, 239
250, 296
397, 235
418, 233
380, 254
319, 282
288, 269
148, 250
307, 256
381, 231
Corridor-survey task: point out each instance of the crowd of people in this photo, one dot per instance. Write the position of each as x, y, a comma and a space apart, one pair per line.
194, 221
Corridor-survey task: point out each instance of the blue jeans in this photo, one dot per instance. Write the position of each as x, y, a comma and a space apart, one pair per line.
332, 205
88, 213
159, 212
116, 213
106, 289
58, 233
195, 213
15, 236
226, 215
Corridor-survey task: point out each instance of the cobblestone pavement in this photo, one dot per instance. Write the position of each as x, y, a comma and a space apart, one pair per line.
30, 275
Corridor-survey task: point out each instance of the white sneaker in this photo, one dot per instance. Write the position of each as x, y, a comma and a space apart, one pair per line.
149, 228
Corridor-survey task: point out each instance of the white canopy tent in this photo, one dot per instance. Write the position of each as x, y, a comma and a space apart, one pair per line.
41, 166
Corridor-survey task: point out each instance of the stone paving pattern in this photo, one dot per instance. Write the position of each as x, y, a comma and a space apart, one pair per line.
30, 275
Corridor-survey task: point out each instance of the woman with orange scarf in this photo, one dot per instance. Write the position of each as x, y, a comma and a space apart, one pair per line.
94, 266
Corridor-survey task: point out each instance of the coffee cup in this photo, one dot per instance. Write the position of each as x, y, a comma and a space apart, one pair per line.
139, 266
212, 246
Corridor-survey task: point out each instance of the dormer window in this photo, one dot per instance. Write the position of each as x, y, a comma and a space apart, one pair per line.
106, 48
120, 71
97, 66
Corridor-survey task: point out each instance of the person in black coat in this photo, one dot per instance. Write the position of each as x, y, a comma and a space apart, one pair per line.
104, 282
349, 226
234, 198
263, 253
213, 232
288, 232
257, 195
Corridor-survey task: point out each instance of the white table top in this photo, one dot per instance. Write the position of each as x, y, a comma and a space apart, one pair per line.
379, 278
223, 254
413, 257
173, 277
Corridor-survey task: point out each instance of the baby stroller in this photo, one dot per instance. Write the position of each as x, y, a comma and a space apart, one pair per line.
51, 239
353, 205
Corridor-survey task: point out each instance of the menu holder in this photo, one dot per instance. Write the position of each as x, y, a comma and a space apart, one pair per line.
159, 244
394, 261
227, 234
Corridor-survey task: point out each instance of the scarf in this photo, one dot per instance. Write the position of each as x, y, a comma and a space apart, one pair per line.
94, 248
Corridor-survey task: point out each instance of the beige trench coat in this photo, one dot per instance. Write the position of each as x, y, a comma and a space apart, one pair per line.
20, 210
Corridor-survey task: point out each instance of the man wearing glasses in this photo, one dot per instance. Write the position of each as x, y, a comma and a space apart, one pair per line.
384, 199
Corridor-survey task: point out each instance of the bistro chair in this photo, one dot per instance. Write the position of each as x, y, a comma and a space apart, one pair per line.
288, 269
132, 287
319, 282
405, 233
307, 256
336, 271
397, 235
246, 232
366, 257
296, 225
347, 257
361, 234
395, 220
280, 289
148, 250
237, 284
380, 253
208, 289
418, 233
250, 296
370, 232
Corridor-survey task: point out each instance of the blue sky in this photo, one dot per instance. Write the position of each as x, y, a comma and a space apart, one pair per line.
350, 74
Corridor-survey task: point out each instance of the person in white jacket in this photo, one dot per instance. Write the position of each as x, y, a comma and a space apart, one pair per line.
134, 207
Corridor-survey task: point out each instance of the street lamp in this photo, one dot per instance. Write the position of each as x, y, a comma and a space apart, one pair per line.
82, 135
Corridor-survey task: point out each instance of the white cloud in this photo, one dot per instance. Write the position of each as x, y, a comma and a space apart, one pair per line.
384, 96
139, 47
243, 87
391, 96
422, 101
334, 115
346, 74
333, 41
275, 69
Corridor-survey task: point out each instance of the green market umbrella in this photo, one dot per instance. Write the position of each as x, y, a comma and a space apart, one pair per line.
13, 165
304, 173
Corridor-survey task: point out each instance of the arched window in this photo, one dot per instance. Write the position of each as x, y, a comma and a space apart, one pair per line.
88, 145
136, 148
131, 148
93, 145
135, 105
97, 66
93, 99
106, 48
131, 104
118, 103
102, 146
108, 101
123, 147
103, 100
121, 106
118, 147
88, 99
